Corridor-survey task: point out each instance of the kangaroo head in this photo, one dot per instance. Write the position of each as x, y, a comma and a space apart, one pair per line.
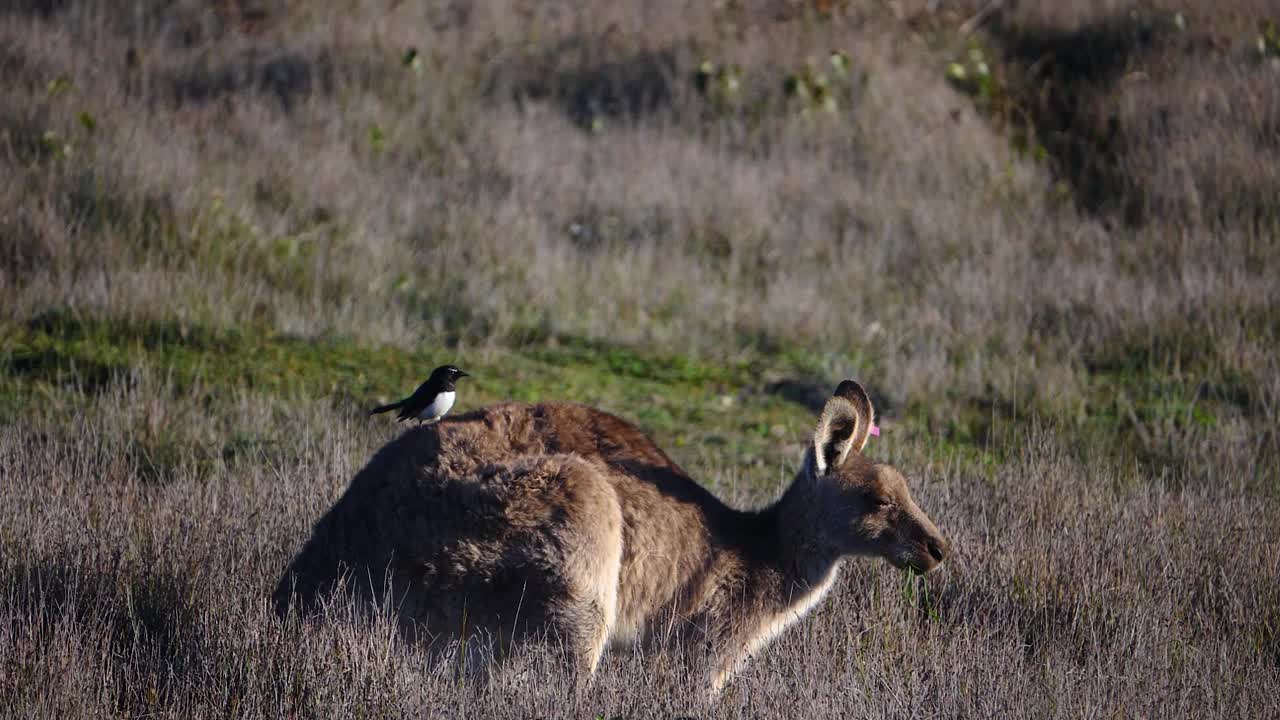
867, 508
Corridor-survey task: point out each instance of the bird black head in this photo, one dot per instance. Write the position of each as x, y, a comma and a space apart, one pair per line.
447, 373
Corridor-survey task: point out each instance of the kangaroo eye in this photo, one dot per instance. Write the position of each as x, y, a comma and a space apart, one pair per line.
880, 502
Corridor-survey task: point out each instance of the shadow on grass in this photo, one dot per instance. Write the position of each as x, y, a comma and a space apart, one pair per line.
154, 643
1043, 626
68, 350
50, 366
813, 394
805, 393
43, 9
288, 76
588, 90
1067, 77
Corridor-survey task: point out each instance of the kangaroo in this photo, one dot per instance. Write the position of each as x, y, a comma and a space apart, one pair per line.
562, 518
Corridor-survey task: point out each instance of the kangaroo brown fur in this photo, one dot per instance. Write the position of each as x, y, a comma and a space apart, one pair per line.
560, 517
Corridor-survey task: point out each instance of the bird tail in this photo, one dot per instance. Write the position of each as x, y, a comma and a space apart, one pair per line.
385, 408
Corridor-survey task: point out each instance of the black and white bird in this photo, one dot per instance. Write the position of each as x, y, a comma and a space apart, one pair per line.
431, 400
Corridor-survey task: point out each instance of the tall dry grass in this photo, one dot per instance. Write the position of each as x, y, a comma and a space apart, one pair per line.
272, 167
1078, 590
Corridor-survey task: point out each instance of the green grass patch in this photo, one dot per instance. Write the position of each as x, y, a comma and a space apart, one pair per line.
1145, 400
1153, 397
703, 412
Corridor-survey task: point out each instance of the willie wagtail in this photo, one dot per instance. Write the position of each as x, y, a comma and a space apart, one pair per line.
431, 400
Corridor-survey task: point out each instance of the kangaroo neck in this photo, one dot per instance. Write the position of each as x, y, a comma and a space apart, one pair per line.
808, 554
784, 549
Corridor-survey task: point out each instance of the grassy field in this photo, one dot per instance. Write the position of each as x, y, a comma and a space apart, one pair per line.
1046, 238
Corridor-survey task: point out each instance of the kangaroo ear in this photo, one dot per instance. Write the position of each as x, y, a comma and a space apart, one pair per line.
845, 424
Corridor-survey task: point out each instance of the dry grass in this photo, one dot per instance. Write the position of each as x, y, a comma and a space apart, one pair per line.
1077, 591
1090, 248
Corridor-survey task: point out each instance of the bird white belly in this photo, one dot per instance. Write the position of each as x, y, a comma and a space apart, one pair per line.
439, 407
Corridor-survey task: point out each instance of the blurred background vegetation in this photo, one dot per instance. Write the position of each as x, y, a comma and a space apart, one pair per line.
987, 212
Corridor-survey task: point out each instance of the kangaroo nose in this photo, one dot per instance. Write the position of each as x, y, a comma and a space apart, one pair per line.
935, 549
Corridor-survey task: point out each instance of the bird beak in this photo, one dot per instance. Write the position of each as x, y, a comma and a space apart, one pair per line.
462, 374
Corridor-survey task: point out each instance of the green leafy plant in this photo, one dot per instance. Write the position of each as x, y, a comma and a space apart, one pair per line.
59, 85
377, 138
56, 145
818, 89
975, 75
1268, 39
719, 84
972, 75
412, 60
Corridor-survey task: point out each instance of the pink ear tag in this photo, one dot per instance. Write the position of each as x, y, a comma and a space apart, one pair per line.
875, 430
